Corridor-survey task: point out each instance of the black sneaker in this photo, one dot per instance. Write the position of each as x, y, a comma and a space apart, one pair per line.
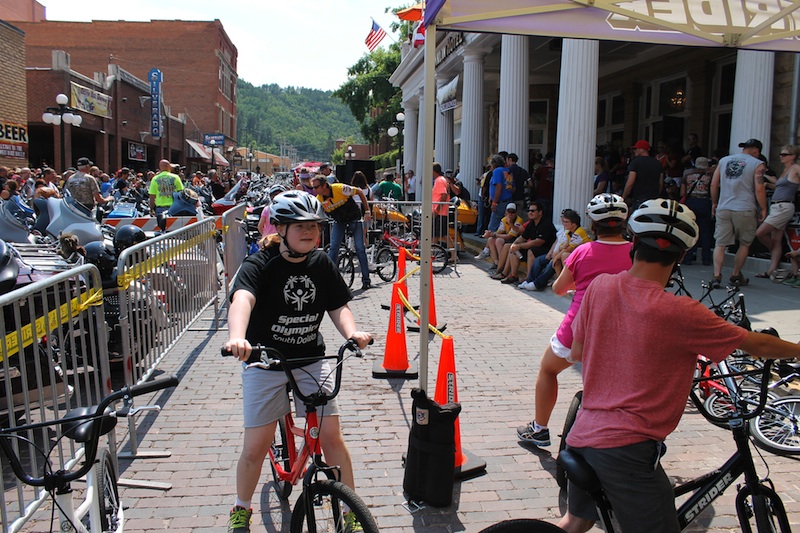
528, 433
366, 284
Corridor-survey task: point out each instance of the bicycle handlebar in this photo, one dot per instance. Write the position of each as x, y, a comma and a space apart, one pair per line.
273, 359
91, 446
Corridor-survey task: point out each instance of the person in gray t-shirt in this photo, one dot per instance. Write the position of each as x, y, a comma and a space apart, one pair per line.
739, 202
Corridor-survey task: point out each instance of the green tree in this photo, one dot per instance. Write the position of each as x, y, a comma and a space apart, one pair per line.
372, 99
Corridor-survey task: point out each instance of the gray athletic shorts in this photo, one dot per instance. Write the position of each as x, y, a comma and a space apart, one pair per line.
265, 397
634, 482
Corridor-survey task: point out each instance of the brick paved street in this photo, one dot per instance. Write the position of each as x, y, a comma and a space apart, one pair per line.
499, 334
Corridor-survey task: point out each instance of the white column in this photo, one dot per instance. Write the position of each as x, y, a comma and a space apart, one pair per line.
577, 127
411, 111
752, 99
473, 153
513, 128
443, 135
421, 163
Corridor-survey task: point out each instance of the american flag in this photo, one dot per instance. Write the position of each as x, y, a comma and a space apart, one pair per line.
376, 35
419, 35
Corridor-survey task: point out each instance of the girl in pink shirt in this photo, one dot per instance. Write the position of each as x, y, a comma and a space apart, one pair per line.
609, 253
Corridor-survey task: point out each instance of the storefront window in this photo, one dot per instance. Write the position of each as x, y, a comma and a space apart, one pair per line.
601, 113
618, 109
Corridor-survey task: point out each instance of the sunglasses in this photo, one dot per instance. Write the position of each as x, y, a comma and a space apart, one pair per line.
317, 186
785, 155
532, 210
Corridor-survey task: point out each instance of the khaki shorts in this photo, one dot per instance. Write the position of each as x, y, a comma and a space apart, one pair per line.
780, 215
735, 226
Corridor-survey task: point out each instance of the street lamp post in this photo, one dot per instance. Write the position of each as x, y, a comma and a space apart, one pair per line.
58, 116
349, 154
396, 130
213, 143
250, 161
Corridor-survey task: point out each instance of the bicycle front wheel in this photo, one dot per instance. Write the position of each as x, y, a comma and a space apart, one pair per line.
720, 405
331, 500
522, 525
106, 495
777, 429
385, 264
280, 455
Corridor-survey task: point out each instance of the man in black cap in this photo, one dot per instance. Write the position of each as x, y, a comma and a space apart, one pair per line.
739, 203
83, 187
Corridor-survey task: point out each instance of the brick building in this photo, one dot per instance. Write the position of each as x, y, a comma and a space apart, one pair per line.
197, 58
13, 98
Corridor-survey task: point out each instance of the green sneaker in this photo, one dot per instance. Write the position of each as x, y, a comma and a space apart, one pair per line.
351, 522
239, 522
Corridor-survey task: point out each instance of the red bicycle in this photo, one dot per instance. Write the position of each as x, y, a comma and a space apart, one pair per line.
325, 499
383, 253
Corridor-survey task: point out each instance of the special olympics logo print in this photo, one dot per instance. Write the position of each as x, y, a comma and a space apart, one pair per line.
299, 291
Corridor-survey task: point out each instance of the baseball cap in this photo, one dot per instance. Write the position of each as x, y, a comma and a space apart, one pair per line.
304, 175
511, 207
701, 163
751, 143
448, 173
84, 162
642, 144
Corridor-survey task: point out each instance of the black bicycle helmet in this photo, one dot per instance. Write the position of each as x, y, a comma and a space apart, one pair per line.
607, 210
665, 225
102, 256
296, 206
127, 236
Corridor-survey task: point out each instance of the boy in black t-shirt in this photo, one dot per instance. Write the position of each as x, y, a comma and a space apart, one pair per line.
279, 299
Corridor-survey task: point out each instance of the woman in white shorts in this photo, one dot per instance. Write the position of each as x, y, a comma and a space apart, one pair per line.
781, 209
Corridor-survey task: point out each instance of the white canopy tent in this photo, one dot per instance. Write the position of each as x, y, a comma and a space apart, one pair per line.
769, 25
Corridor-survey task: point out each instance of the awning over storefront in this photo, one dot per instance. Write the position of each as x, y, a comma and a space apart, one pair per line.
733, 23
204, 153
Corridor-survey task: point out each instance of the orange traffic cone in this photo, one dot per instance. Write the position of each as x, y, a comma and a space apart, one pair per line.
467, 464
395, 357
401, 264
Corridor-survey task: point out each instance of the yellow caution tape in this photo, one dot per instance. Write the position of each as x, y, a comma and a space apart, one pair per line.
52, 320
416, 314
139, 270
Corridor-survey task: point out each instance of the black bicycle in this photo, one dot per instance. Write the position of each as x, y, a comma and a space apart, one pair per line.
757, 502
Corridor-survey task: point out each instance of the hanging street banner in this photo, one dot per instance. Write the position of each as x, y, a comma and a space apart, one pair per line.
155, 77
137, 152
90, 101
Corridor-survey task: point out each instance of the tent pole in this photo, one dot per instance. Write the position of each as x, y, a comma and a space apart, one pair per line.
426, 173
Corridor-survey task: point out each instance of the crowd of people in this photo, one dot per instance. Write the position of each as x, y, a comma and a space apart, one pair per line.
728, 196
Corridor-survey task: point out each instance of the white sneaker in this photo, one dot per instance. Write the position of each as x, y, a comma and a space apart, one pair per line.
523, 285
530, 286
483, 255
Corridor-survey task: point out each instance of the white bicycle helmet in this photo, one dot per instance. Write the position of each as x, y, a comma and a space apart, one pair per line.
276, 189
607, 209
665, 225
296, 206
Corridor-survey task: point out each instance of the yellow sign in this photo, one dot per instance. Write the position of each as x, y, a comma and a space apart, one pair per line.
90, 101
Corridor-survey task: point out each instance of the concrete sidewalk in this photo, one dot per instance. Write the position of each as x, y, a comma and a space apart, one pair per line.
500, 333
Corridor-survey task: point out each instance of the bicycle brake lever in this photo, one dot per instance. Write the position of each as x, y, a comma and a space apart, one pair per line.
126, 411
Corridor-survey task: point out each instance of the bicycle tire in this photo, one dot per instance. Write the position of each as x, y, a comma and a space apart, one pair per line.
385, 264
719, 405
777, 428
440, 256
572, 413
328, 513
346, 267
107, 494
280, 450
522, 525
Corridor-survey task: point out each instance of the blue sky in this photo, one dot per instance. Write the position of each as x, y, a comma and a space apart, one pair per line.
306, 43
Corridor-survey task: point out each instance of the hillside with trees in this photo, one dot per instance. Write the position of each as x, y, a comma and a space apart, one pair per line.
308, 119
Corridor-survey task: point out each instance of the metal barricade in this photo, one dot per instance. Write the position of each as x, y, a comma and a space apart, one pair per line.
164, 284
53, 358
234, 243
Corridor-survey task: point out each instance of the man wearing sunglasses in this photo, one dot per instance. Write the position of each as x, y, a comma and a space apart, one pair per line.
337, 200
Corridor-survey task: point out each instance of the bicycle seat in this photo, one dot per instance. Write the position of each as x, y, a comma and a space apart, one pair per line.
81, 430
578, 471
